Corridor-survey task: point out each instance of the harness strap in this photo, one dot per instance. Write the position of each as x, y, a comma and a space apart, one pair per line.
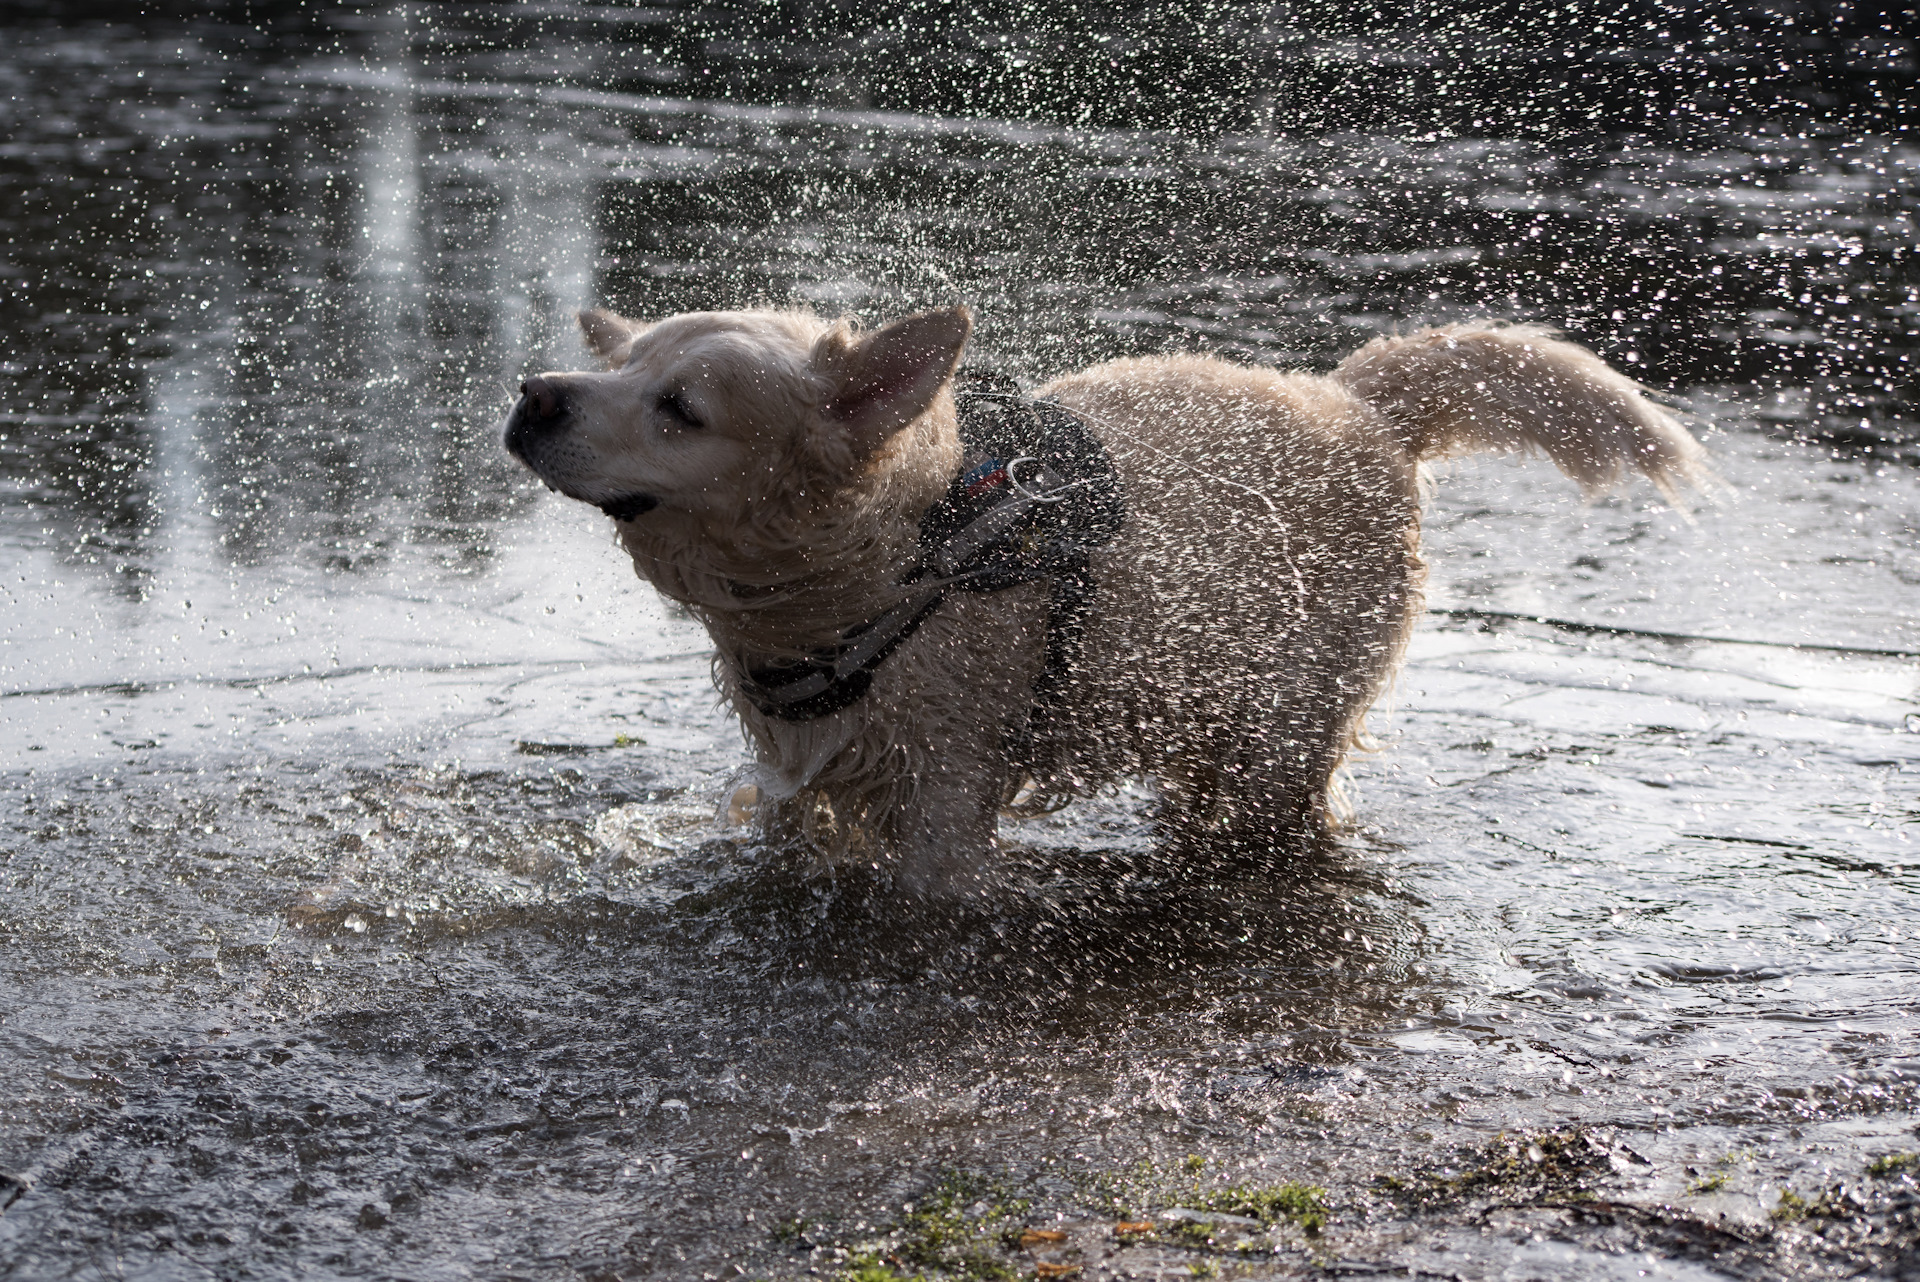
818, 686
1036, 493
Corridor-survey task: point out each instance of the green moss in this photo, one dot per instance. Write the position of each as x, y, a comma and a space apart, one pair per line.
1124, 1193
1891, 1164
1304, 1205
867, 1267
1793, 1207
954, 1231
967, 1228
1714, 1181
1132, 1193
1528, 1162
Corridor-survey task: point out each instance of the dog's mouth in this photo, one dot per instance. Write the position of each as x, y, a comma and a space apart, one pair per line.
629, 506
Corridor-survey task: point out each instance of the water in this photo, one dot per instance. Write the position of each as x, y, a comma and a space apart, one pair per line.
368, 907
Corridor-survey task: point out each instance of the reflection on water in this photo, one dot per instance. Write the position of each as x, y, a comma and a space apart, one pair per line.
366, 907
385, 228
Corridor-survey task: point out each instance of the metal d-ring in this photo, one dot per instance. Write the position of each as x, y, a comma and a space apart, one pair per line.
1013, 479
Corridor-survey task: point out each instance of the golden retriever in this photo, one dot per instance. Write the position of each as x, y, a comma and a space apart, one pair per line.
770, 470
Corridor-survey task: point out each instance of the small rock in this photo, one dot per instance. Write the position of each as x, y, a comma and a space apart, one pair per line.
1187, 1215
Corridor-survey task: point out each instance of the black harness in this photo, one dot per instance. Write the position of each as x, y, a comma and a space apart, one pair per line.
1035, 495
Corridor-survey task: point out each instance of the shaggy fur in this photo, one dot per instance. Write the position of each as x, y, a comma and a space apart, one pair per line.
1258, 602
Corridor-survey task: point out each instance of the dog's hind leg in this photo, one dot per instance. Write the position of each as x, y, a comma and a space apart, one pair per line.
1262, 798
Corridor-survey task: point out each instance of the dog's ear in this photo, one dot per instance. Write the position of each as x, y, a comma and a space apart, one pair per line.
608, 336
882, 381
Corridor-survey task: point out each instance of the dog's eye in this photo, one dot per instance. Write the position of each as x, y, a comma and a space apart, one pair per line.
675, 407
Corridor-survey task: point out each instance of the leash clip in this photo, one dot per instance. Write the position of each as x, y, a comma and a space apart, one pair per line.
1058, 494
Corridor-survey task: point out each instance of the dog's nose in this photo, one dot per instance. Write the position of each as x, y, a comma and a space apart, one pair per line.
542, 398
539, 414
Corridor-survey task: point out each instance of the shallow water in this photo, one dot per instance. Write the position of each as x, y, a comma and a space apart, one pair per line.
367, 905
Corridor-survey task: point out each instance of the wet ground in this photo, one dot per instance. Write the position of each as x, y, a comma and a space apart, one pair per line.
367, 907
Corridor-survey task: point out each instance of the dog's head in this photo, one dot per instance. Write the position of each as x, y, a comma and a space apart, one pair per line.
712, 413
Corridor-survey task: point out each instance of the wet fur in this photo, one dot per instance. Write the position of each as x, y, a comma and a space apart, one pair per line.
1257, 604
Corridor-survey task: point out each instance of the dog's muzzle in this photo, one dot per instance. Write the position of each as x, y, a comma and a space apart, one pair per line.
537, 419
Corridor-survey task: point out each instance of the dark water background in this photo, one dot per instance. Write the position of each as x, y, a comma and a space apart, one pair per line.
364, 905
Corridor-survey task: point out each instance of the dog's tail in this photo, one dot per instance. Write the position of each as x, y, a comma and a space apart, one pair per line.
1465, 388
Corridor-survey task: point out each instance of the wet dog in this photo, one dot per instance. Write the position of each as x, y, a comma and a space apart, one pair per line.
774, 472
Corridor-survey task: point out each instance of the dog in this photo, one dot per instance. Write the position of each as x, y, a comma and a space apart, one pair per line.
774, 472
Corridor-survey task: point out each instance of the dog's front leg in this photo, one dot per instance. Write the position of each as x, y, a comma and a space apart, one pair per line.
944, 836
911, 784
